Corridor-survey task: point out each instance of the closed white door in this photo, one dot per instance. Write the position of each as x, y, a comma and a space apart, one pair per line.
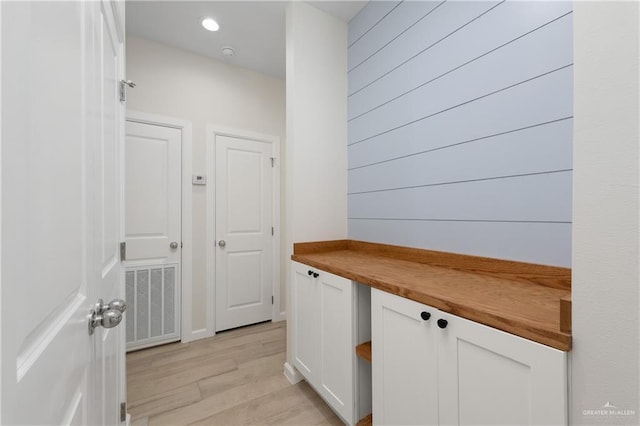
244, 220
153, 232
61, 212
404, 364
153, 195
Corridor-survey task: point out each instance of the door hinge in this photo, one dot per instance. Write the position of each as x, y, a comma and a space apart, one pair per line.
272, 231
123, 251
273, 160
123, 411
123, 88
272, 300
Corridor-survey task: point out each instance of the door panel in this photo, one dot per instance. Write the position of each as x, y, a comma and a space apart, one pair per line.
244, 263
152, 193
109, 343
404, 361
57, 243
337, 351
153, 161
488, 376
306, 322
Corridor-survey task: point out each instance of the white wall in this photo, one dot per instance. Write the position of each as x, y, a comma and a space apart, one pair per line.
180, 84
316, 128
605, 363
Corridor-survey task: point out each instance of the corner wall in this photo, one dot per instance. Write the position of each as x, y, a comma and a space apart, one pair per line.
606, 257
316, 130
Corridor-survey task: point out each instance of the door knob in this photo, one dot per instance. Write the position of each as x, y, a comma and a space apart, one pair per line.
116, 304
222, 243
111, 318
107, 316
173, 245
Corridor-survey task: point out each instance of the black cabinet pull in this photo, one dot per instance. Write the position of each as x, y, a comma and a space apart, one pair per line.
425, 315
442, 323
315, 275
310, 272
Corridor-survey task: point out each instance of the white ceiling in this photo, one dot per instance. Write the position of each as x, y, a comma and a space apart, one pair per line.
255, 29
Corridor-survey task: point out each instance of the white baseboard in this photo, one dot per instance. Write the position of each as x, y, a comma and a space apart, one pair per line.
202, 333
281, 317
292, 374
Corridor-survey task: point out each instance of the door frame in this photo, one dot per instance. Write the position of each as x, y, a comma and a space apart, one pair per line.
214, 130
186, 261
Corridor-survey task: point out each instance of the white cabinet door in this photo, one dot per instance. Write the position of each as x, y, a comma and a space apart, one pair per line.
491, 377
306, 322
337, 347
404, 361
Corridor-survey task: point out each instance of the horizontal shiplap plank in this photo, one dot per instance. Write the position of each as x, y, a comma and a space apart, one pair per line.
539, 197
395, 23
498, 71
543, 243
368, 17
445, 19
496, 28
538, 101
521, 152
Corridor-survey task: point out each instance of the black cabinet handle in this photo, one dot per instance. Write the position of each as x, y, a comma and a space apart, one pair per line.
315, 275
442, 323
425, 315
310, 272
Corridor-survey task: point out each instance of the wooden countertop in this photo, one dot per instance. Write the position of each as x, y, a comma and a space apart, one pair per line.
519, 298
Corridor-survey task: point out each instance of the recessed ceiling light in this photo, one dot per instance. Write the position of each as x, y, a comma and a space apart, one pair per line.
210, 24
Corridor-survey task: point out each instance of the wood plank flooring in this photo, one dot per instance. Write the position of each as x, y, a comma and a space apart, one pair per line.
233, 378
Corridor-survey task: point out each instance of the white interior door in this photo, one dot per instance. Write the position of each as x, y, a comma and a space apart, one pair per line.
61, 215
153, 233
244, 220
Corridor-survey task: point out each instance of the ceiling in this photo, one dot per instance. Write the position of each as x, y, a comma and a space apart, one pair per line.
254, 29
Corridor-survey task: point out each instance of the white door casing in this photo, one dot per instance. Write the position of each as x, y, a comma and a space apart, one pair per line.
244, 221
61, 136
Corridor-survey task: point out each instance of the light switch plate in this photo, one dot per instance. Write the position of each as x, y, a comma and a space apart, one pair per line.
199, 180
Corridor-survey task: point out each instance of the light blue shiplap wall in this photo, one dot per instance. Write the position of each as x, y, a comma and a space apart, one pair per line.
460, 127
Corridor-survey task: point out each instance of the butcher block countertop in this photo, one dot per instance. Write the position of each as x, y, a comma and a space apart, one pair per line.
520, 298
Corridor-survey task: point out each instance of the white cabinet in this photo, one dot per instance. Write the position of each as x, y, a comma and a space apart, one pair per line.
431, 367
324, 335
404, 361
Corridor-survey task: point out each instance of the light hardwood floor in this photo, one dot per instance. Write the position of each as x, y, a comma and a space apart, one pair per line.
233, 378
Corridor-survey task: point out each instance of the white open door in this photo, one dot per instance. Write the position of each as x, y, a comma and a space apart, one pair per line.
61, 211
244, 233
